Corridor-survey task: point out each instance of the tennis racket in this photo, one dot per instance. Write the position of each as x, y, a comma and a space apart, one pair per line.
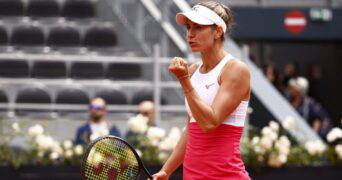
111, 158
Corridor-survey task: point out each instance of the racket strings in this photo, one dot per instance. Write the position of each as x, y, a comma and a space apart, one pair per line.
111, 159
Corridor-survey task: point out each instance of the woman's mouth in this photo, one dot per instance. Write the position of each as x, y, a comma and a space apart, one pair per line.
192, 44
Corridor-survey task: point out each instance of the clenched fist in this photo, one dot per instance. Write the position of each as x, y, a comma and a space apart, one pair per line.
179, 67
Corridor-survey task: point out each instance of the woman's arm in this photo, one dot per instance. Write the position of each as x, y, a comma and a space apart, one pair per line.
175, 159
177, 154
234, 87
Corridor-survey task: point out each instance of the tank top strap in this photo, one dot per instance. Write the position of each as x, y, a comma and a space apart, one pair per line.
223, 62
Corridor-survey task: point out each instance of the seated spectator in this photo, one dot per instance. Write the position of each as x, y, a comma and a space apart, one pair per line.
290, 71
272, 74
146, 108
97, 125
307, 107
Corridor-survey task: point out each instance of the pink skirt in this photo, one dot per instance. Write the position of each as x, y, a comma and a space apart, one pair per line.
214, 155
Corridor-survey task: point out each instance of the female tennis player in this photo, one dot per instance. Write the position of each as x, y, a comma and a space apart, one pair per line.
217, 93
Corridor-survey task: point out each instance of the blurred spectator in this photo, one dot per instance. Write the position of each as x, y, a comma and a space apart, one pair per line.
97, 125
146, 108
290, 71
316, 89
272, 74
307, 107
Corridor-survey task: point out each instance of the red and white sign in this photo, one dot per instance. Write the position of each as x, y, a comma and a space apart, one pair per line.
295, 22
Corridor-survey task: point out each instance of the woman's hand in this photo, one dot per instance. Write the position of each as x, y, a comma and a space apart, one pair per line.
179, 67
161, 175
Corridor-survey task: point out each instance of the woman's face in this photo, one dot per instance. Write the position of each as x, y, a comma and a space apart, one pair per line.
200, 37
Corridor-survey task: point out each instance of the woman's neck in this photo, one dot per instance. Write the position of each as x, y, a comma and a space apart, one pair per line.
211, 57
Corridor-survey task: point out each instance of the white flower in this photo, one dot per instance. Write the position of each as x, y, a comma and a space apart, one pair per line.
266, 131
334, 134
57, 147
338, 150
274, 161
274, 126
16, 127
40, 154
54, 156
255, 140
285, 141
273, 136
163, 156
266, 142
167, 144
78, 150
289, 123
259, 150
155, 134
36, 130
175, 133
250, 110
138, 152
282, 158
315, 147
68, 154
44, 142
67, 144
138, 124
283, 145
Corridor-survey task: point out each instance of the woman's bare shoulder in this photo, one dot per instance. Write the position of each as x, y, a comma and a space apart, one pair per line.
235, 69
236, 66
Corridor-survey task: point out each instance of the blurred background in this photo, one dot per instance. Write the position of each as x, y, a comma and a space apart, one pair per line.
75, 70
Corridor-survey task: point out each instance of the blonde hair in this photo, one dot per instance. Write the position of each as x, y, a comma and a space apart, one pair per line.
223, 11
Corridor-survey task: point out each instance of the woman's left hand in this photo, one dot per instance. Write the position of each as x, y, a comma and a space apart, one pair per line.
179, 67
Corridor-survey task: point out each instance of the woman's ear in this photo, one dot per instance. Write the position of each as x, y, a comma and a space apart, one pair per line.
218, 32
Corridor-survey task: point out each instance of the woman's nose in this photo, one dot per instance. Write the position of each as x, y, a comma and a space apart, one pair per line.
191, 33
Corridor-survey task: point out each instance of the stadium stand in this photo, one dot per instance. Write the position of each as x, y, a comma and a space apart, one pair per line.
27, 35
64, 36
78, 9
42, 8
11, 8
14, 68
123, 71
49, 69
87, 70
112, 96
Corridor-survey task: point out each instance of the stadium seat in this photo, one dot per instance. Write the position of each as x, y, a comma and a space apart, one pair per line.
42, 8
11, 8
33, 95
49, 69
78, 9
100, 37
3, 100
87, 70
144, 95
123, 71
72, 95
14, 68
62, 36
112, 96
3, 36
27, 35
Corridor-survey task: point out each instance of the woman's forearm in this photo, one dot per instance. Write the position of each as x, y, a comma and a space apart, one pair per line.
177, 155
203, 113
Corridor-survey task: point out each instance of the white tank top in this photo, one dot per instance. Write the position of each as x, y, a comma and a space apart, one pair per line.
206, 86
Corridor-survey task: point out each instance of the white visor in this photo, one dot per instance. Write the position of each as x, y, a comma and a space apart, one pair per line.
201, 15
